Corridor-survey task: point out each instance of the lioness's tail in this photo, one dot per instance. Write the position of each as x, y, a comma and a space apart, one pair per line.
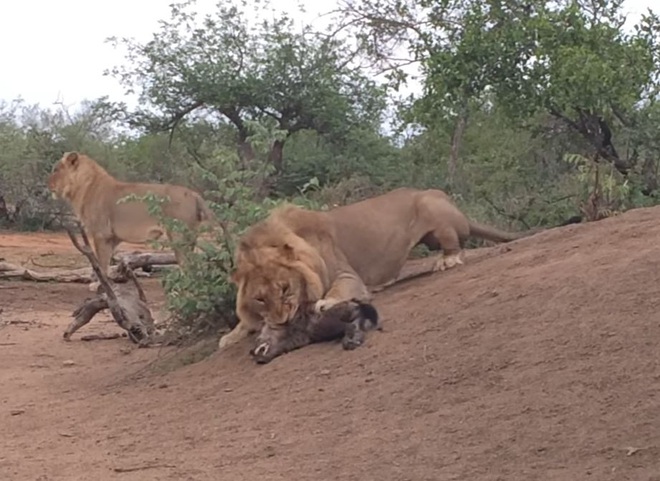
493, 234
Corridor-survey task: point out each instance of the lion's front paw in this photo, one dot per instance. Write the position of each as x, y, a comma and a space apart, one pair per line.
324, 304
94, 286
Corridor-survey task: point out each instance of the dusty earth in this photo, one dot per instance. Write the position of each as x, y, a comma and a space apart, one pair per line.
534, 361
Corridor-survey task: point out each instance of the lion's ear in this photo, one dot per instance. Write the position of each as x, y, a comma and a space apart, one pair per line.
288, 252
72, 158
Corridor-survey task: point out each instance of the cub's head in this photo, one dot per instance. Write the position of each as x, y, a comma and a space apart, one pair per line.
68, 173
274, 285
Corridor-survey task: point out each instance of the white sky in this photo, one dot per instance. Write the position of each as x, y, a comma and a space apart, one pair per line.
55, 50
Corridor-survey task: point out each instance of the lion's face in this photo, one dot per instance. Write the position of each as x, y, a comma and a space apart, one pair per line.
63, 175
272, 291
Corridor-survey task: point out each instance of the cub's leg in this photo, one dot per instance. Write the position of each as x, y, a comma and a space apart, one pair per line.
248, 323
346, 287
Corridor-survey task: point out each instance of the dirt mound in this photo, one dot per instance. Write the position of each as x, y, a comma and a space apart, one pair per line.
534, 361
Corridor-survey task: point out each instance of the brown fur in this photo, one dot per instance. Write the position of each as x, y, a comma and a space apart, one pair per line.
332, 256
349, 320
93, 193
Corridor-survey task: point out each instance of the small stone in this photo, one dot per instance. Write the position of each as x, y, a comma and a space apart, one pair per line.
16, 412
325, 372
68, 363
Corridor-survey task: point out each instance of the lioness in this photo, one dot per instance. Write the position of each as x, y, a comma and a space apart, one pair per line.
350, 319
93, 193
332, 256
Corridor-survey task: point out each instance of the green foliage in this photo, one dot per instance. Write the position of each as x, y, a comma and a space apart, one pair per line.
234, 71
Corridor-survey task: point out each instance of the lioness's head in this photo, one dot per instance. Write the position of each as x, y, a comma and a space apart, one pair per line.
275, 285
66, 174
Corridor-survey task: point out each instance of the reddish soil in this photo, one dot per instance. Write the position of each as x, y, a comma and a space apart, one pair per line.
534, 361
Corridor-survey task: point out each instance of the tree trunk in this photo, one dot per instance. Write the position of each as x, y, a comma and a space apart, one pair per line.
276, 155
456, 139
245, 152
127, 303
135, 317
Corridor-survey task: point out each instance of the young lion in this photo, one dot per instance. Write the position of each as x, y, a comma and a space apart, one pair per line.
93, 193
350, 319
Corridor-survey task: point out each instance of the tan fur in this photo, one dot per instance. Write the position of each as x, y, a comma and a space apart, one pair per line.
93, 193
333, 256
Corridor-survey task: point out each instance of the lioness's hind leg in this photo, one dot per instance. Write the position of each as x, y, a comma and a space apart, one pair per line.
103, 248
183, 244
447, 261
450, 243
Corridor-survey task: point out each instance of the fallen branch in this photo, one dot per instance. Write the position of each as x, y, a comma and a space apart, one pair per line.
142, 468
59, 266
100, 337
8, 271
126, 302
136, 260
83, 275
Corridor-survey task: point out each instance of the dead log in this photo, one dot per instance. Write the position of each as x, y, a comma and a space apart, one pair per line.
100, 337
140, 260
81, 275
127, 302
13, 271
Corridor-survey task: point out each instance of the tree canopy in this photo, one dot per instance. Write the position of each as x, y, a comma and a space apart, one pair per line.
238, 69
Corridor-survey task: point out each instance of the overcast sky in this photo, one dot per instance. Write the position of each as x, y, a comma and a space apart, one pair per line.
55, 50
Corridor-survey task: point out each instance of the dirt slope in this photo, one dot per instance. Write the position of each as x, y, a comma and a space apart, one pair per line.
534, 361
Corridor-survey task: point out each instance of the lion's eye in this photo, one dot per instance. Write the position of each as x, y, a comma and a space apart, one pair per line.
285, 290
260, 300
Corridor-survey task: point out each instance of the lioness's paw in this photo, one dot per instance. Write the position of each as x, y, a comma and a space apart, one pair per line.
324, 304
447, 262
453, 260
93, 286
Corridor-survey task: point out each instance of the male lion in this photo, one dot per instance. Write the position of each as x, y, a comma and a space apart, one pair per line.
329, 257
93, 194
350, 319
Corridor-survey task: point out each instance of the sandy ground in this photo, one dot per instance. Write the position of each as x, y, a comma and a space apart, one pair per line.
536, 360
